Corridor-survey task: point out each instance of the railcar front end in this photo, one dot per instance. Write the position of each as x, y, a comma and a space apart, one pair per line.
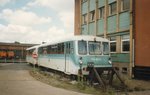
92, 53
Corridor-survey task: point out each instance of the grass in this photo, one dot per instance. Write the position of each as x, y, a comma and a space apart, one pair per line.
133, 85
61, 82
137, 85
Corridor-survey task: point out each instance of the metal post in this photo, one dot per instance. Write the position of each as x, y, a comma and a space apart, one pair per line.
5, 60
20, 60
13, 60
34, 64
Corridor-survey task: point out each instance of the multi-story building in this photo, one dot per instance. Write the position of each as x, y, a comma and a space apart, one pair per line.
114, 20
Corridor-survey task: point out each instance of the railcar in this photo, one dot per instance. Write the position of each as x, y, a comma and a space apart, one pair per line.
3, 54
32, 54
10, 54
72, 54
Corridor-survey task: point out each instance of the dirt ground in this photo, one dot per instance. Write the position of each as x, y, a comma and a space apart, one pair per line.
134, 87
16, 80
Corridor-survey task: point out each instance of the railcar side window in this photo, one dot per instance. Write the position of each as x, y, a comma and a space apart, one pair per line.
30, 51
61, 48
94, 48
105, 48
40, 50
68, 48
44, 50
82, 47
49, 50
54, 49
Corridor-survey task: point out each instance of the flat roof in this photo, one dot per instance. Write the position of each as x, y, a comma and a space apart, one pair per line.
16, 44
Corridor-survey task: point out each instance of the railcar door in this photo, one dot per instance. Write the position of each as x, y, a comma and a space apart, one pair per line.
67, 57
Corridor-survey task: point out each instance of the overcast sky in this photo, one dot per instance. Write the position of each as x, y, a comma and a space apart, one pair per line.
35, 21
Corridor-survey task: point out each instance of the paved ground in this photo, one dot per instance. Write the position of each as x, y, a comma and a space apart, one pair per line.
16, 80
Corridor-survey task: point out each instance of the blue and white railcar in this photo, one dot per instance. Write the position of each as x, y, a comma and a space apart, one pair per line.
66, 55
32, 54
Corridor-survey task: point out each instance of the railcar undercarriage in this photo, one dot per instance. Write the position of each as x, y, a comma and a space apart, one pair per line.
103, 76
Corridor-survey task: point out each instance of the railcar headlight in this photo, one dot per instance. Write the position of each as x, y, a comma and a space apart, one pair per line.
109, 60
80, 61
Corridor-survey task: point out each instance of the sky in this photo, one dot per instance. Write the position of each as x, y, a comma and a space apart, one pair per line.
36, 21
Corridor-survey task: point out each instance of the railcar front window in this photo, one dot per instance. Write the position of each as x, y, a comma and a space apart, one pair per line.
105, 48
82, 47
94, 48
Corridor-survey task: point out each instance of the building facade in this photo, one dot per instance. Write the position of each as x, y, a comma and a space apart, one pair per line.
111, 19
141, 35
13, 52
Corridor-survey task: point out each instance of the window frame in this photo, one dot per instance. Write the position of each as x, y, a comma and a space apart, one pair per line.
84, 1
84, 18
122, 5
100, 43
60, 48
92, 16
44, 50
78, 48
111, 8
114, 40
104, 53
101, 14
30, 52
124, 40
40, 50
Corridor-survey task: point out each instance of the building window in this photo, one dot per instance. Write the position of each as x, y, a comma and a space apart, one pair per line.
84, 0
101, 12
113, 44
125, 43
112, 8
125, 5
92, 16
84, 19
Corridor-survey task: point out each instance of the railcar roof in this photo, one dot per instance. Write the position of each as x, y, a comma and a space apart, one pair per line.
74, 38
33, 47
